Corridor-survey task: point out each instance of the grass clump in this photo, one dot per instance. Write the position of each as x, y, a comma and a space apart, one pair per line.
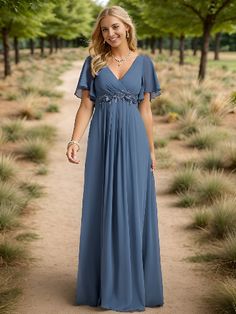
33, 189
190, 122
160, 142
218, 108
8, 169
213, 186
207, 137
162, 106
222, 255
184, 179
3, 138
27, 236
13, 130
229, 151
186, 199
201, 218
223, 219
8, 217
52, 108
222, 299
42, 170
50, 93
11, 197
163, 157
200, 188
45, 132
35, 150
8, 298
30, 113
219, 219
12, 254
213, 159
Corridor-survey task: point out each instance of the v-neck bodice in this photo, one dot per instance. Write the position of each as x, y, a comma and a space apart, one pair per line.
141, 77
127, 72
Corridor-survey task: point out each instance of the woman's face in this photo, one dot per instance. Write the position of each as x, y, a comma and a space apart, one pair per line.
113, 30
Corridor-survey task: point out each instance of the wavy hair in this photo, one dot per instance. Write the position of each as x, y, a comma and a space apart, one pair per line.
99, 50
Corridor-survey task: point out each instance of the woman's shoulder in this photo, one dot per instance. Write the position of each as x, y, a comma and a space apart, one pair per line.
88, 58
146, 57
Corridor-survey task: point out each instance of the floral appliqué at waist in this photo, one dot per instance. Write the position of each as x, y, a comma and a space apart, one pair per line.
108, 98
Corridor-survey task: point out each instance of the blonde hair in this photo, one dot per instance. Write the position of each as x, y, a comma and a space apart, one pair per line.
101, 51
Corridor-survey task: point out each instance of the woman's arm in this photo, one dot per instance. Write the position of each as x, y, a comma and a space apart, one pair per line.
82, 118
146, 113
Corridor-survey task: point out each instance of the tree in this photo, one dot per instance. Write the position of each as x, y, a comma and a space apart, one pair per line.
11, 13
211, 13
71, 19
205, 14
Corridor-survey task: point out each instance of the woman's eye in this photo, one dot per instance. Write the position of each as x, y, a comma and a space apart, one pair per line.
104, 29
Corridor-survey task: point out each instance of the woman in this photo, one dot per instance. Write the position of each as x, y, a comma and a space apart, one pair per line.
119, 255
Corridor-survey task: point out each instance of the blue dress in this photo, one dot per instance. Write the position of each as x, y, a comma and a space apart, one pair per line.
119, 255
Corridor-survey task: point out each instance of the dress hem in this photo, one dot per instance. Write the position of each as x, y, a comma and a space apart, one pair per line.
107, 307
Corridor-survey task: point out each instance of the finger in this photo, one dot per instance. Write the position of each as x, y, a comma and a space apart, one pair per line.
71, 158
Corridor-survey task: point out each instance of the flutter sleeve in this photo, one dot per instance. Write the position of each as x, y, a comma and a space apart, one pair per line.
150, 82
86, 80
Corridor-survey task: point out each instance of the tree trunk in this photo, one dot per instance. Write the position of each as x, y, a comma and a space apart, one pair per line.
140, 43
16, 48
56, 42
207, 26
153, 45
171, 38
60, 43
6, 51
42, 46
217, 45
181, 49
50, 44
194, 46
147, 43
31, 46
160, 39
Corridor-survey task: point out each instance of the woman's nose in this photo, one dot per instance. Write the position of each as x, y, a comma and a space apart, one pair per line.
111, 32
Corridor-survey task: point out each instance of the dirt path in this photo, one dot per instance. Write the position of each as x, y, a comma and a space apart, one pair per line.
49, 287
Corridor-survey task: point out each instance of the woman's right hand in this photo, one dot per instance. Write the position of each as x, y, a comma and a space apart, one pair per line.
72, 153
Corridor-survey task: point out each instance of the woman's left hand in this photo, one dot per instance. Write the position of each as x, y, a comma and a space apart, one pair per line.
153, 164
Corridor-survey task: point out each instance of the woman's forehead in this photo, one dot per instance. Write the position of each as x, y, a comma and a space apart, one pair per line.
109, 20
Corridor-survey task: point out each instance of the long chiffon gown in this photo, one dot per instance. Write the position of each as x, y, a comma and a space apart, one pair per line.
119, 255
